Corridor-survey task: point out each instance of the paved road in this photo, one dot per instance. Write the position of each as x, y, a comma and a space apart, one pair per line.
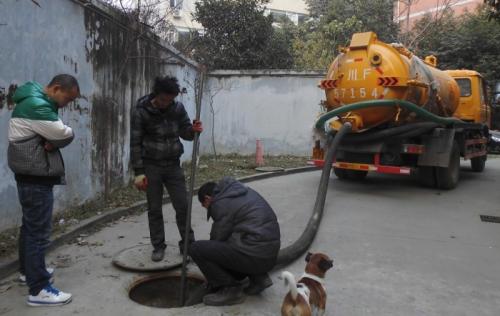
399, 249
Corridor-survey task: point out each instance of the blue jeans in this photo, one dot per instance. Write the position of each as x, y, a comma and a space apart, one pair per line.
37, 202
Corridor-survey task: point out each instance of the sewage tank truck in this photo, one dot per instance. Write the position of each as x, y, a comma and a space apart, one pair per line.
408, 117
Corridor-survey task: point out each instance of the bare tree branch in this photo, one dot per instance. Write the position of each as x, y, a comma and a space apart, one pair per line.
441, 10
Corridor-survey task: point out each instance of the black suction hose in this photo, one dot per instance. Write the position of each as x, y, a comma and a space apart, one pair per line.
371, 136
295, 250
415, 132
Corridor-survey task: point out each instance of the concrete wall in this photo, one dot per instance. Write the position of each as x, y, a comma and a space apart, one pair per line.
277, 107
114, 67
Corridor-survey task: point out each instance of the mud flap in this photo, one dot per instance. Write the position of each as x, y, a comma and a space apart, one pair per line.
438, 148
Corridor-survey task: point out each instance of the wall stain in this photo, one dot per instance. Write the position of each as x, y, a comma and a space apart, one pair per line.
122, 78
71, 62
10, 94
2, 97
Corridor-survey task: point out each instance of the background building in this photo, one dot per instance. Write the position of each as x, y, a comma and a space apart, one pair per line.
180, 13
419, 8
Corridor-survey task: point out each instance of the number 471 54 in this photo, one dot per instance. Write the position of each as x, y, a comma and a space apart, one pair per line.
356, 93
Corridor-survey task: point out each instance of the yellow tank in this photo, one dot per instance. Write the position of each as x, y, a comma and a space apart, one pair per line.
370, 69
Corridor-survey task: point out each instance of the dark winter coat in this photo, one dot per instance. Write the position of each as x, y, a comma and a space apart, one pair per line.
34, 123
244, 219
155, 134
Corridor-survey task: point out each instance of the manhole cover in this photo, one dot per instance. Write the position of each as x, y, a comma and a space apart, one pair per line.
163, 290
490, 219
138, 258
269, 169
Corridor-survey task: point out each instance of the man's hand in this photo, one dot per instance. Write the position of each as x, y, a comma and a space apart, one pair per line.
197, 126
141, 182
48, 146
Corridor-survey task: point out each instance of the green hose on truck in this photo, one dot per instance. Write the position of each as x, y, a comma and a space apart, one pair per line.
421, 112
429, 147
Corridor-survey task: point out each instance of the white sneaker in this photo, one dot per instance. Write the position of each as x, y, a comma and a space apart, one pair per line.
22, 277
49, 296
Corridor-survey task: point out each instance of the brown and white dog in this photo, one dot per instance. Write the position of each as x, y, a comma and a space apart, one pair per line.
308, 296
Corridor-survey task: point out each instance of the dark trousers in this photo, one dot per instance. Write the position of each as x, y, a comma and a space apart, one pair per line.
172, 177
224, 266
37, 203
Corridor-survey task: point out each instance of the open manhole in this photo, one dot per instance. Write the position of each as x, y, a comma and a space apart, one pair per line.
163, 290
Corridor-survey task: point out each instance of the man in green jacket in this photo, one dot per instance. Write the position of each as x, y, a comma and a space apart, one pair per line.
35, 135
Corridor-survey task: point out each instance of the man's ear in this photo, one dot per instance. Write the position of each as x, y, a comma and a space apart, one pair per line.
325, 264
308, 256
208, 198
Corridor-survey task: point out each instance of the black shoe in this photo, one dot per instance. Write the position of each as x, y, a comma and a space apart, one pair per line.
158, 254
258, 283
196, 295
230, 295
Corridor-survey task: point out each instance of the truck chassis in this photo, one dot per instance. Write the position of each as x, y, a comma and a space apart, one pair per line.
433, 156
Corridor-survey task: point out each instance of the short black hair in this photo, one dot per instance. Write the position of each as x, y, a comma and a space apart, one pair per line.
167, 85
67, 82
206, 189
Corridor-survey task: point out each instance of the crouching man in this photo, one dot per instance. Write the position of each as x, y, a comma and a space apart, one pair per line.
244, 242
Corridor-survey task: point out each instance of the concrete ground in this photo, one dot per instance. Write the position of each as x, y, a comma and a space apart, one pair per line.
399, 249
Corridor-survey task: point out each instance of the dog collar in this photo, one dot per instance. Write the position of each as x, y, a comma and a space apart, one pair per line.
313, 277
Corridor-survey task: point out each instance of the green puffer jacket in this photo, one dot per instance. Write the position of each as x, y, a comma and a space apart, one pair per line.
35, 122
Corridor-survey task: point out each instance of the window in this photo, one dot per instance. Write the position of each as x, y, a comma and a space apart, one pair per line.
484, 90
278, 16
302, 18
176, 4
465, 87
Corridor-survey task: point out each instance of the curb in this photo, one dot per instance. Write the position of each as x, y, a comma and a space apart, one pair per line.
86, 225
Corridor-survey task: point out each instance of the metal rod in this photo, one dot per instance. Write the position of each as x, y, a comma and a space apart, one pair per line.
194, 158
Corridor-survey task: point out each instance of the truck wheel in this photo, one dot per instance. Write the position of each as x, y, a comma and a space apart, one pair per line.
346, 174
426, 176
356, 174
340, 173
447, 178
478, 163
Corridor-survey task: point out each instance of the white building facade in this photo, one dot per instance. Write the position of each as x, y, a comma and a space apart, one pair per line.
180, 14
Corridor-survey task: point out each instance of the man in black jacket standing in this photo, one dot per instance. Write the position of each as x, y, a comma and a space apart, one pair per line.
157, 124
244, 242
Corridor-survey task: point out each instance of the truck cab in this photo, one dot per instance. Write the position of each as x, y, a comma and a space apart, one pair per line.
474, 106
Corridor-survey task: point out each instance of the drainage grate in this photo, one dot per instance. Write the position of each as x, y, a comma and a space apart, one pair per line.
490, 219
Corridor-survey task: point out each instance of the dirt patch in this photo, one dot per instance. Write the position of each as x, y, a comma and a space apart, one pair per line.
209, 169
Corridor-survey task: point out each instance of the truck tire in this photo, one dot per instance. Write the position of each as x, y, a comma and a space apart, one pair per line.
447, 178
346, 174
426, 176
340, 173
478, 163
356, 174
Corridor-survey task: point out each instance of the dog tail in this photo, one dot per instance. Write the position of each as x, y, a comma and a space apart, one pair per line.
290, 283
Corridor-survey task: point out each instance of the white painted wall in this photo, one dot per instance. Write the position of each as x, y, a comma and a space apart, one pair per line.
91, 47
275, 106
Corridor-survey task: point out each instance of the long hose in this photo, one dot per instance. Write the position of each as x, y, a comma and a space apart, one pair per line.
295, 250
428, 116
409, 129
